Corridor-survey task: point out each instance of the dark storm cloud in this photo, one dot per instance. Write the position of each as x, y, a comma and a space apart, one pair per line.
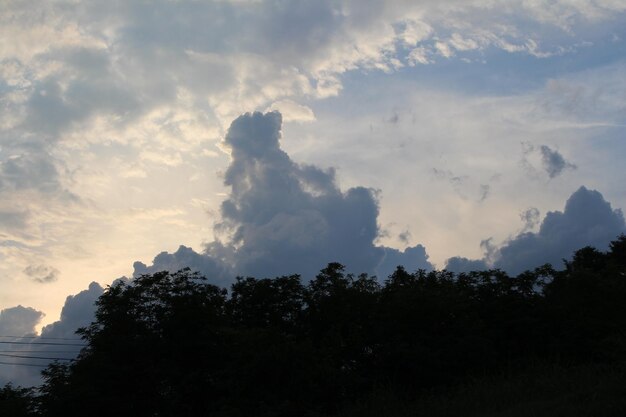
587, 220
42, 273
553, 162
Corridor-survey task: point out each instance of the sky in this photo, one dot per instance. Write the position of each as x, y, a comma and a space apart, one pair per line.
252, 137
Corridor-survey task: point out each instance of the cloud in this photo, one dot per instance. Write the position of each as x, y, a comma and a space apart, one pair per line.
587, 220
78, 311
16, 322
282, 217
460, 264
549, 160
292, 111
404, 236
531, 218
214, 269
285, 217
42, 273
553, 162
412, 258
19, 321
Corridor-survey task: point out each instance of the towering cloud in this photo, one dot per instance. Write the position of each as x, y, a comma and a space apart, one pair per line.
285, 217
282, 217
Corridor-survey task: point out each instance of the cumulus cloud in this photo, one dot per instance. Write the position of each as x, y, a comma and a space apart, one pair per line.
17, 324
587, 220
19, 321
285, 217
78, 311
185, 257
282, 217
460, 264
412, 258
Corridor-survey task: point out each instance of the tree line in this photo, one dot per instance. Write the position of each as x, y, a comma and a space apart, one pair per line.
170, 344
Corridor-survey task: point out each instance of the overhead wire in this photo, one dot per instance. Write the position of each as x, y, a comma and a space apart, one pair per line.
43, 337
42, 343
36, 357
40, 351
23, 364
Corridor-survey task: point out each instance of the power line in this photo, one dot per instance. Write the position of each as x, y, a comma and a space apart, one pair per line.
40, 351
42, 337
36, 357
42, 343
24, 364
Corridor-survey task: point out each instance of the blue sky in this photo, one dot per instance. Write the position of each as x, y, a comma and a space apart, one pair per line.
410, 132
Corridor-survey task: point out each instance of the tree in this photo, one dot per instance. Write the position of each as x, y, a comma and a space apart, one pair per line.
17, 401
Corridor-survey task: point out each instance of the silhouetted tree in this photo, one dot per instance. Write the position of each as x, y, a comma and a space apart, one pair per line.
170, 344
17, 401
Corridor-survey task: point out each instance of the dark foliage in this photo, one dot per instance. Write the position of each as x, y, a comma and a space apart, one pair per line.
17, 402
169, 344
